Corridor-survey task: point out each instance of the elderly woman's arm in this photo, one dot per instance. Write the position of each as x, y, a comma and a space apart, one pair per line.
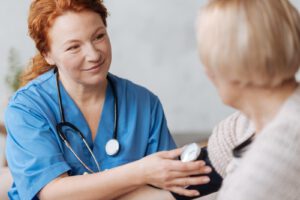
270, 169
225, 137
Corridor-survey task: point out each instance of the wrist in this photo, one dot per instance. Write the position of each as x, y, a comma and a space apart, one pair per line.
139, 173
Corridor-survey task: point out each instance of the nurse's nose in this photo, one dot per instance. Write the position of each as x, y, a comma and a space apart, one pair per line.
92, 54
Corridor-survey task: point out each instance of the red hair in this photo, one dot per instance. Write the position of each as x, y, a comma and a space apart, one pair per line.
42, 15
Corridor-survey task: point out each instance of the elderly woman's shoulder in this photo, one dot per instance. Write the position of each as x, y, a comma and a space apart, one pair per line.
234, 128
287, 121
282, 134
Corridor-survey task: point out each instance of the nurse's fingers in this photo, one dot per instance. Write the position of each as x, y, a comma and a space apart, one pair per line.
183, 191
176, 165
172, 154
183, 182
181, 174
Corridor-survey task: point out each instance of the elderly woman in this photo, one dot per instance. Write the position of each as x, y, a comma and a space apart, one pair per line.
251, 53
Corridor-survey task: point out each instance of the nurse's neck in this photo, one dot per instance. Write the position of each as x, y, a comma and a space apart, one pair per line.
85, 95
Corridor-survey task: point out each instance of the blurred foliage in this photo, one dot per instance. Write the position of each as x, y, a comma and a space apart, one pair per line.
15, 69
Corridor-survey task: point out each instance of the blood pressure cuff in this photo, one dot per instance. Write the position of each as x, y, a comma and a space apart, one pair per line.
205, 189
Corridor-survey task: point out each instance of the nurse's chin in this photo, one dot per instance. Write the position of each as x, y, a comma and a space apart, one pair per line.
95, 80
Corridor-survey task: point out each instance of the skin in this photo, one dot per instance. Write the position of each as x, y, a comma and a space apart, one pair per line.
259, 103
83, 59
80, 48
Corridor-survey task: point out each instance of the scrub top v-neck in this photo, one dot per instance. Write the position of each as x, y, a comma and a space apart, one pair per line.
36, 155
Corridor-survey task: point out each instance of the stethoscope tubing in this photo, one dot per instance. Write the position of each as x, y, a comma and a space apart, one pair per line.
64, 123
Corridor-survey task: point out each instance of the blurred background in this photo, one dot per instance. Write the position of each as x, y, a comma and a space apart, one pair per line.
153, 45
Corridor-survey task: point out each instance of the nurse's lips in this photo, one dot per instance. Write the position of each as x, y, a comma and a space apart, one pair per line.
94, 67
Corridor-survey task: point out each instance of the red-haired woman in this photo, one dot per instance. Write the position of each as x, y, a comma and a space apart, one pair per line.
73, 117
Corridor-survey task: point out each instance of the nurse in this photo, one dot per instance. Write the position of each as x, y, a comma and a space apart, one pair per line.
73, 117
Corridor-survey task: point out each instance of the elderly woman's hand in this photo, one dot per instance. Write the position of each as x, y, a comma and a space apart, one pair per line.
164, 171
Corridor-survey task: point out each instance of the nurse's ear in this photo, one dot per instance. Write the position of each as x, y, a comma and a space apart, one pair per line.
49, 58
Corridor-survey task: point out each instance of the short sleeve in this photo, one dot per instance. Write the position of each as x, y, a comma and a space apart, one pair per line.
32, 150
160, 138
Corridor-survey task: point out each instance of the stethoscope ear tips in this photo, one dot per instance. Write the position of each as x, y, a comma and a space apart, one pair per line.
112, 147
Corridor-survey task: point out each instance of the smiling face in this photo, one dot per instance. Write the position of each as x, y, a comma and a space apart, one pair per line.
80, 48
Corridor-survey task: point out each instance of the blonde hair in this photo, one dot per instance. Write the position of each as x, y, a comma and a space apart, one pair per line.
250, 41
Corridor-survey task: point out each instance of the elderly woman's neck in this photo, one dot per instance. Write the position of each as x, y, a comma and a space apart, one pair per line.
261, 104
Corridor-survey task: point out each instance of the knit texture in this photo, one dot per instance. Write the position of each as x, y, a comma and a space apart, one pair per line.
228, 134
270, 168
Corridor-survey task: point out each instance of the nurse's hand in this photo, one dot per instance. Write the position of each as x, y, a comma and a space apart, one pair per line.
164, 171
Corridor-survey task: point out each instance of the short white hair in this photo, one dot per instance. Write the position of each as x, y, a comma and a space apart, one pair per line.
250, 41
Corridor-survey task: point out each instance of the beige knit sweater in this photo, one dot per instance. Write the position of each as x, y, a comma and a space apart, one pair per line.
270, 168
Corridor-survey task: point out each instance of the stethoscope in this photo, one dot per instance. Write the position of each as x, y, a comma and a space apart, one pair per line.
112, 147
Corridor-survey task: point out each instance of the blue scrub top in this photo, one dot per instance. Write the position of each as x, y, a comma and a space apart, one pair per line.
35, 153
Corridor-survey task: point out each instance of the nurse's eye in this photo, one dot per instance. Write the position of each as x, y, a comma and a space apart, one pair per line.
72, 48
100, 36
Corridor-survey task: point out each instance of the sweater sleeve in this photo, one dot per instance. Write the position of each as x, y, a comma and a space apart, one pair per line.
224, 138
270, 168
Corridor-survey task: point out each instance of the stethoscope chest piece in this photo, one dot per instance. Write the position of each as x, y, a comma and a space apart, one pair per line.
112, 147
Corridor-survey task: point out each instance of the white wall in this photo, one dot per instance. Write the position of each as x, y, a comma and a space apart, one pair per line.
153, 44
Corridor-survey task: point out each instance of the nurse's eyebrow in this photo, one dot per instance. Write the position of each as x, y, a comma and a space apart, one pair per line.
100, 28
70, 41
76, 40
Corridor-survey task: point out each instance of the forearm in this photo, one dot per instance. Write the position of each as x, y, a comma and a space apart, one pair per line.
159, 169
104, 185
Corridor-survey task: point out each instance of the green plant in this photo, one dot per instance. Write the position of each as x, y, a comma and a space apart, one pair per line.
15, 69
